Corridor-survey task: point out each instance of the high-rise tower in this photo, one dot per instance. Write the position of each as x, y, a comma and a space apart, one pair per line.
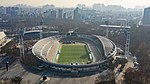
77, 15
146, 17
60, 13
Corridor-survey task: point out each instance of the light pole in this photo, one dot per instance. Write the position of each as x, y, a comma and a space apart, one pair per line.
41, 34
107, 30
127, 44
126, 32
21, 44
7, 65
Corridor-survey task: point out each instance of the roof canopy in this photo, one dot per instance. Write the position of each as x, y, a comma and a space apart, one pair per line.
2, 35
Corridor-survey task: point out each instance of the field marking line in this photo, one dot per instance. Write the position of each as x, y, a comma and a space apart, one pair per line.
55, 53
60, 47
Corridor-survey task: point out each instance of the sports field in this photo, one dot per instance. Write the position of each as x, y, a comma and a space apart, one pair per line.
73, 53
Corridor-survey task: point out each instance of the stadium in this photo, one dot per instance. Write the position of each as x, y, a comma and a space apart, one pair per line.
74, 54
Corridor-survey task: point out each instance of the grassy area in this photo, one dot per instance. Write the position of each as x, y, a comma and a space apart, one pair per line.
73, 53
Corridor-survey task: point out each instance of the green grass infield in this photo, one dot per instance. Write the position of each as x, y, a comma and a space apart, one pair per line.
73, 53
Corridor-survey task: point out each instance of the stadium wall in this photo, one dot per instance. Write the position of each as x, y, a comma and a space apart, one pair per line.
79, 69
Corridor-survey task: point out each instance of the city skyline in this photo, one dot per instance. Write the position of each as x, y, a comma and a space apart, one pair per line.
73, 3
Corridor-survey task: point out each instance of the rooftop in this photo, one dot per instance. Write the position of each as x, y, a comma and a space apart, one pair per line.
2, 35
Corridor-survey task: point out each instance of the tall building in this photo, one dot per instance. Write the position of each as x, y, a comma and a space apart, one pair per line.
53, 14
121, 22
81, 6
5, 24
77, 15
60, 11
64, 16
13, 11
2, 10
146, 17
98, 6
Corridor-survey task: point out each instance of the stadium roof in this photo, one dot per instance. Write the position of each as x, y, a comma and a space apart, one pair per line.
2, 35
33, 31
115, 26
108, 46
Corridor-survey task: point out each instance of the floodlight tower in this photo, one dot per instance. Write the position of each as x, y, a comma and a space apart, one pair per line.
41, 27
107, 30
21, 44
126, 32
41, 34
127, 44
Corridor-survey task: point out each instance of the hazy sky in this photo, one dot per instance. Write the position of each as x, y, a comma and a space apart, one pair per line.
73, 3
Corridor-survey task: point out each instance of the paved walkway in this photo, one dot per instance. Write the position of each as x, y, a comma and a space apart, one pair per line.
81, 80
120, 77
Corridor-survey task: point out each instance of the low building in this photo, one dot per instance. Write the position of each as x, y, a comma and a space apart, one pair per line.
2, 38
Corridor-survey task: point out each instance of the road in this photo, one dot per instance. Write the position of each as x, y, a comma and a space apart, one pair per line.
31, 76
80, 80
119, 77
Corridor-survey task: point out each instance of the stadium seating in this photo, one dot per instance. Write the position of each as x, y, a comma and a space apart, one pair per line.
42, 47
38, 47
46, 48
